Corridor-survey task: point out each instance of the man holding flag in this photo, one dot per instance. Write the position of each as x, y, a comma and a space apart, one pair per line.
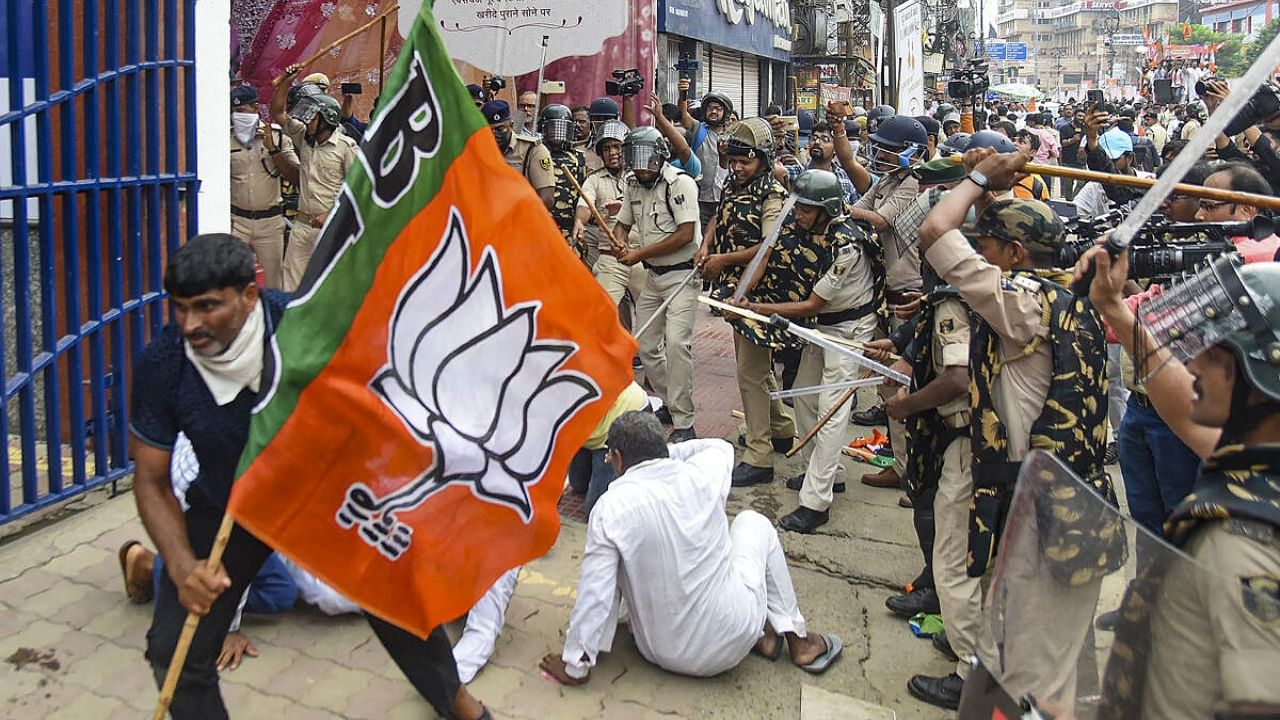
433, 369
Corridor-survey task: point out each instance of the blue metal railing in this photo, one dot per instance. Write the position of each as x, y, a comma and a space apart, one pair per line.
88, 212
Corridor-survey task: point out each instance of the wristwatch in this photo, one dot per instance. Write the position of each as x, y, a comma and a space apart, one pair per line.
980, 179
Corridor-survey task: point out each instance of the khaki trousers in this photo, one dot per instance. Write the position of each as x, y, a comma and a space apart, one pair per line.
822, 454
266, 237
617, 278
666, 349
897, 428
302, 243
959, 595
766, 418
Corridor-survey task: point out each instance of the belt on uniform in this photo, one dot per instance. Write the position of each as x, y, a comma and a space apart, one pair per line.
315, 221
899, 297
1140, 399
256, 214
839, 316
958, 420
664, 269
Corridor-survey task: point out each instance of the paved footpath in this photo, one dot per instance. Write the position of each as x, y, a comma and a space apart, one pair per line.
72, 644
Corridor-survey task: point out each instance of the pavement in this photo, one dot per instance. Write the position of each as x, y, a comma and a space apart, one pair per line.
72, 643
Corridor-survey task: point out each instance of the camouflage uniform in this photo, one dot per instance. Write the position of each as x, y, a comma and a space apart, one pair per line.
566, 197
745, 216
1038, 379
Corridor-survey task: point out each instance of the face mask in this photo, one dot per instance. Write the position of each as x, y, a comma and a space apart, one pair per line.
503, 138
245, 126
816, 153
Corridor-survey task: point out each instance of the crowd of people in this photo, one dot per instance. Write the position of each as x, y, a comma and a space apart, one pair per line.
922, 243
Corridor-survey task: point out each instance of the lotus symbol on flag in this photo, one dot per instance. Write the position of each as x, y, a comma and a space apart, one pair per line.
468, 377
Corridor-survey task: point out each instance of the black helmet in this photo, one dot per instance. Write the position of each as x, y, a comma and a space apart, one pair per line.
555, 122
718, 97
821, 188
898, 132
603, 108
878, 114
956, 144
931, 126
992, 139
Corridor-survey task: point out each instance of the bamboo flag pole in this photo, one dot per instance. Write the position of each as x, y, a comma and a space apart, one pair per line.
339, 41
189, 627
1133, 181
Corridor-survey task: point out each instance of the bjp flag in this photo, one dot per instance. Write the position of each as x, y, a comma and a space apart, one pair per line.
445, 357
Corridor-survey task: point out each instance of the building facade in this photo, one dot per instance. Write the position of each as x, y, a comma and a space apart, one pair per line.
742, 50
1242, 17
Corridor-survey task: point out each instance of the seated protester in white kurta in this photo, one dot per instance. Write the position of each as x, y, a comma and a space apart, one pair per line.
700, 594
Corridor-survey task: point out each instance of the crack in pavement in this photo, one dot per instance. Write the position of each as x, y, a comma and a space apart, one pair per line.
831, 570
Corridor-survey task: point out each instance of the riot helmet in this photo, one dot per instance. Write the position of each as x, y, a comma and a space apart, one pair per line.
555, 122
821, 188
644, 149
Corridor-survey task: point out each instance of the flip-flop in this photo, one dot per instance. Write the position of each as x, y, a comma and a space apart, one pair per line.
778, 642
138, 593
835, 646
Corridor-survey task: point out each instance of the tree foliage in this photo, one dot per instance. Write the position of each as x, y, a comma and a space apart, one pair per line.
1230, 57
1254, 49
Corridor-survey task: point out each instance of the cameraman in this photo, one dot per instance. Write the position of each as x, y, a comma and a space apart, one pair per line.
1240, 177
704, 139
1259, 123
1109, 151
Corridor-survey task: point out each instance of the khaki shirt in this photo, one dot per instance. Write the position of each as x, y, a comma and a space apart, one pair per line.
1013, 307
654, 213
951, 347
321, 169
890, 195
601, 188
255, 179
1208, 648
594, 162
848, 284
531, 159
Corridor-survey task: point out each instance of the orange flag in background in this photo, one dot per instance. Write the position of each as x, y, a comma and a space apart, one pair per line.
444, 359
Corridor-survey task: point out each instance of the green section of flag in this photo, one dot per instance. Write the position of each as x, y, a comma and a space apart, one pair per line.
314, 327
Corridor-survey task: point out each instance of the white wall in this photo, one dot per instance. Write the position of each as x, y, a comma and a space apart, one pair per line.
213, 144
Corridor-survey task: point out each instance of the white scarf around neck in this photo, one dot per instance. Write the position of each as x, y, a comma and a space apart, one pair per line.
237, 367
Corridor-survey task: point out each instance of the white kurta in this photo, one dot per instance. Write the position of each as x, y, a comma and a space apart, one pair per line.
698, 592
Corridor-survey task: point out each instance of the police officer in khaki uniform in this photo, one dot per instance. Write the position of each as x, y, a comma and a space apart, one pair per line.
897, 145
1037, 375
750, 207
604, 189
661, 203
325, 154
524, 154
843, 302
1213, 621
261, 155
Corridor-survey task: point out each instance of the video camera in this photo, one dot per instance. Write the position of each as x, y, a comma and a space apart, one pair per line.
494, 83
969, 82
686, 66
628, 83
1162, 248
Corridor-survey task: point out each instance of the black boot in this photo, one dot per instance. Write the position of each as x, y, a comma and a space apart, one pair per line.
804, 520
941, 691
745, 475
870, 416
920, 600
942, 645
664, 415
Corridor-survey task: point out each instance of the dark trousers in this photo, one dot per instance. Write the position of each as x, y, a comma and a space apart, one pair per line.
926, 532
428, 663
1158, 468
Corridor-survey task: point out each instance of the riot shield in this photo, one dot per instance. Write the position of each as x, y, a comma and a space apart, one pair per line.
1068, 558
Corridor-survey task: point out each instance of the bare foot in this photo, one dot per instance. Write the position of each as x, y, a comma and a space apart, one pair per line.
805, 650
767, 645
136, 563
466, 706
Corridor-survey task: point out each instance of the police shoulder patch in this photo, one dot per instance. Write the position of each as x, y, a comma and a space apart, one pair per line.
546, 162
678, 199
1261, 596
1006, 284
947, 325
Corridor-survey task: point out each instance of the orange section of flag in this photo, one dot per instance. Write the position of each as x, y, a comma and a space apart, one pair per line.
358, 435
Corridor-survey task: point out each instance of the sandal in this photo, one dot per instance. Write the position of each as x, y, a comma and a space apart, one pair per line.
140, 590
835, 646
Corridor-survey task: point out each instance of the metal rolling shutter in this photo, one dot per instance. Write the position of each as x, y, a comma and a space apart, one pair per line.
726, 76
704, 70
750, 87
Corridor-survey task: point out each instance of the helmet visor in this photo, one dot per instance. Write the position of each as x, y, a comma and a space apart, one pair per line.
642, 156
558, 130
304, 110
1199, 312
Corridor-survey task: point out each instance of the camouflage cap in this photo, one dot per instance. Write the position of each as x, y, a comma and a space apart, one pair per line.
1030, 222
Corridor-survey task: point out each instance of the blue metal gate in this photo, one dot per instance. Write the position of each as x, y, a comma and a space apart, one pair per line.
97, 102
